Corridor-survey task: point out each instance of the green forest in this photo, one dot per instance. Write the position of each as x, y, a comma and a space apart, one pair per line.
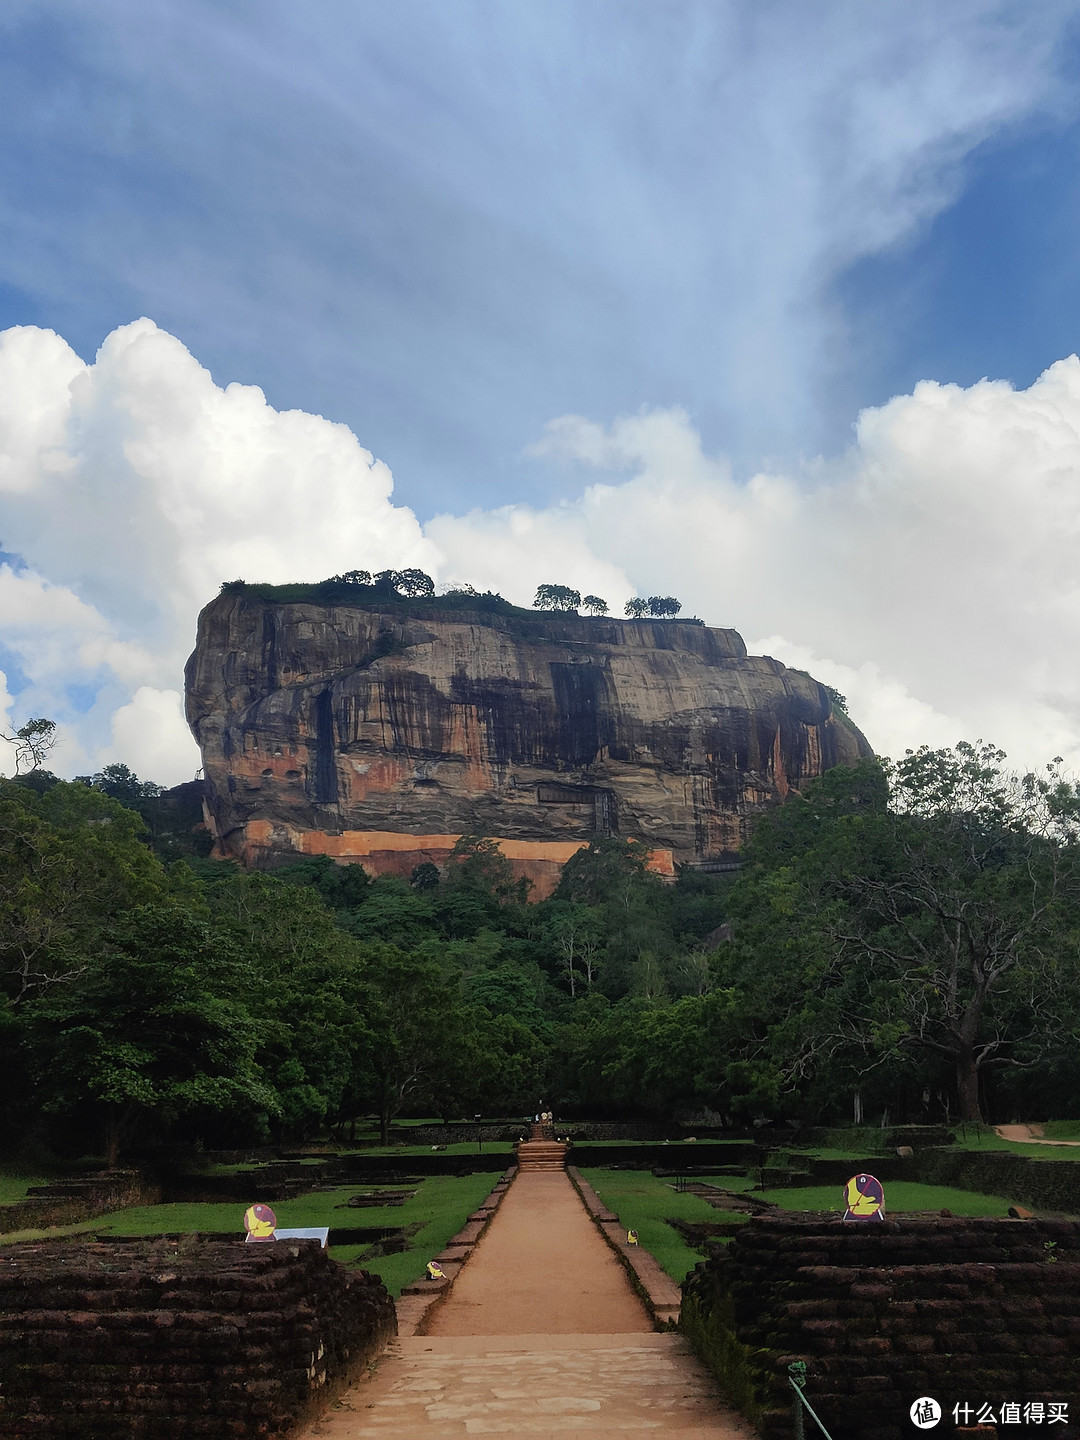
901, 933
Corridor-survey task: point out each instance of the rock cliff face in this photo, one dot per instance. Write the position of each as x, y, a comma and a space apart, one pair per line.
382, 734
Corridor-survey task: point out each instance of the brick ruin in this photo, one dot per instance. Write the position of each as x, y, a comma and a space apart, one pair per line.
179, 1337
965, 1310
64, 1202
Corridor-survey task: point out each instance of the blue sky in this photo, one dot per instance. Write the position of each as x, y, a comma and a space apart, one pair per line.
449, 225
445, 224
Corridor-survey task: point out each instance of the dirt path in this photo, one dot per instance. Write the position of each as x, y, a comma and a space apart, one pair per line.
1028, 1135
540, 1336
541, 1269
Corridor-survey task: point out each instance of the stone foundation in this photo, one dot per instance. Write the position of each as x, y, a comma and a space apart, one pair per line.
179, 1338
67, 1201
966, 1311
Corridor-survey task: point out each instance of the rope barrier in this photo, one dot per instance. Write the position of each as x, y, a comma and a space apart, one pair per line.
797, 1379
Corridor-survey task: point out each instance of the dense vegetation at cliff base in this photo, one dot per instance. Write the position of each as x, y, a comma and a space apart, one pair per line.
905, 933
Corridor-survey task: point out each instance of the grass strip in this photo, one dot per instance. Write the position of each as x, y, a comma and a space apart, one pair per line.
645, 1203
465, 1147
1061, 1130
14, 1187
986, 1140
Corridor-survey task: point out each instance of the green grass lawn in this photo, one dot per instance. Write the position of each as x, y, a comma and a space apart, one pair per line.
14, 1187
467, 1147
667, 1144
826, 1152
985, 1139
900, 1195
440, 1207
645, 1203
1061, 1130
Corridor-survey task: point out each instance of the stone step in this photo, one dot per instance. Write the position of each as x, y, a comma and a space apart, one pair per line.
541, 1155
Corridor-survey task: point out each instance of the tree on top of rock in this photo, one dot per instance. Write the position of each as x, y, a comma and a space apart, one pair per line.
412, 583
557, 597
658, 607
595, 605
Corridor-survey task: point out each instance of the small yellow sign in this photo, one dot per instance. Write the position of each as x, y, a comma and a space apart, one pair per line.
260, 1222
865, 1198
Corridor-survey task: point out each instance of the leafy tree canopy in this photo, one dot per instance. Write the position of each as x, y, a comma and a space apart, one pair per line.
31, 743
557, 597
155, 1028
924, 908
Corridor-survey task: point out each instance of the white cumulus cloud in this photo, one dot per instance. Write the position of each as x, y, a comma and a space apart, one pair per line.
929, 573
150, 731
129, 490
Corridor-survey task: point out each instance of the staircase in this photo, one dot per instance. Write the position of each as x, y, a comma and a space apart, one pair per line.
541, 1151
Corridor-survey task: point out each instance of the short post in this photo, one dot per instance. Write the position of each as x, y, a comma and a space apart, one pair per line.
797, 1381
761, 1156
797, 1372
479, 1136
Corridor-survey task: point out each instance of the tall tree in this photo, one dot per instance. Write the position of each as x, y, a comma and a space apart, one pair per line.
422, 1036
311, 993
31, 743
154, 1029
931, 907
71, 861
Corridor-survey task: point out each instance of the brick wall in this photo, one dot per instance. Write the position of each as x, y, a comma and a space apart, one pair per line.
179, 1338
984, 1311
1050, 1184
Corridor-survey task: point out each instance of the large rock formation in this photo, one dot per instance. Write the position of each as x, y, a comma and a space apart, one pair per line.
382, 734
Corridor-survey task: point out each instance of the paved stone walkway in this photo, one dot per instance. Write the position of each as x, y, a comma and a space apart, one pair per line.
548, 1387
540, 1336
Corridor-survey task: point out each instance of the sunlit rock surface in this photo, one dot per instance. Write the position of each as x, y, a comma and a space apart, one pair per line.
382, 734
